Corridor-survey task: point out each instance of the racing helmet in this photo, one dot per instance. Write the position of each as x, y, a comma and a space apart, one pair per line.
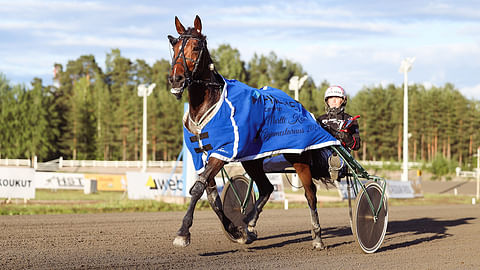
336, 91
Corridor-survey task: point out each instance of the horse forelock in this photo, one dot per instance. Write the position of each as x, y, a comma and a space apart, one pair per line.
194, 33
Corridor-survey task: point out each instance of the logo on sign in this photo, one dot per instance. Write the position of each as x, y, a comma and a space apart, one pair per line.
164, 184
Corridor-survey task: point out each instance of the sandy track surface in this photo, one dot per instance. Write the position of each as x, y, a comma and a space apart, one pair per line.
418, 237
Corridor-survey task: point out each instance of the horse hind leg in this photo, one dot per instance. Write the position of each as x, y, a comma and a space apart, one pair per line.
316, 230
303, 171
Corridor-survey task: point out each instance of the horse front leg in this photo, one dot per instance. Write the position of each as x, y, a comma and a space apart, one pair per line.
211, 169
303, 171
254, 168
183, 234
237, 235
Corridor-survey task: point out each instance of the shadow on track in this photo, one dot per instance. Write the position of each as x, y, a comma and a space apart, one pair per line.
428, 229
423, 227
326, 233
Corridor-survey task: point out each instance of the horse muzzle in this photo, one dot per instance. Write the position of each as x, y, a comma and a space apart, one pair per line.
177, 92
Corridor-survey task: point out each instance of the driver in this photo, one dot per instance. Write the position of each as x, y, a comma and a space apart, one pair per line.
334, 121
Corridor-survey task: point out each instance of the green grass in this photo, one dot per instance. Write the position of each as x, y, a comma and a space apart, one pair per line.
333, 192
73, 202
428, 199
76, 195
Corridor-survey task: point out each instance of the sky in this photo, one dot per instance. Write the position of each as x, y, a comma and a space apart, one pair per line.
354, 44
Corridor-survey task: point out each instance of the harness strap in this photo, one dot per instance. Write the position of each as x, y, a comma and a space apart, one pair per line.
189, 75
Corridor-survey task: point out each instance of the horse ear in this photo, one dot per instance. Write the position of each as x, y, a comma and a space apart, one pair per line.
172, 40
198, 24
180, 28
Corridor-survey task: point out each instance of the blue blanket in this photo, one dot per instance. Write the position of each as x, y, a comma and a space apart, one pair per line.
249, 123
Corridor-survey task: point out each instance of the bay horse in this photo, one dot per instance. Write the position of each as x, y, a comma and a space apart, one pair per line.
193, 69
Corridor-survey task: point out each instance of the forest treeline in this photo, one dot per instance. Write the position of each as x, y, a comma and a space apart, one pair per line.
95, 113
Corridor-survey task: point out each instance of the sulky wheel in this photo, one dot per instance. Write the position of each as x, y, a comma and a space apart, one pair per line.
369, 231
232, 206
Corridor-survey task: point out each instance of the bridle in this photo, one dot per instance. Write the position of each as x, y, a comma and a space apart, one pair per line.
190, 74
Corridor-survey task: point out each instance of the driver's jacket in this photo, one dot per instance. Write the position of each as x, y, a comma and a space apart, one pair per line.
333, 123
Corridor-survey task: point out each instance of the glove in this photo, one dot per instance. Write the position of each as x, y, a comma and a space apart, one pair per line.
345, 138
341, 136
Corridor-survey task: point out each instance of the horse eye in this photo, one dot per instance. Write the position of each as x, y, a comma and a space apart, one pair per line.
196, 49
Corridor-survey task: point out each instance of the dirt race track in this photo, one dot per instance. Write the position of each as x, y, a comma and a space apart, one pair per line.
418, 237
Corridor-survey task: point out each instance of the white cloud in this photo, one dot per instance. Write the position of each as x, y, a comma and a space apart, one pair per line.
428, 85
85, 40
23, 25
52, 6
77, 7
471, 91
347, 43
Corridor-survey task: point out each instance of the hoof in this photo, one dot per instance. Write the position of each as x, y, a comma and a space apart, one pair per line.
235, 234
240, 235
182, 241
318, 244
251, 234
242, 240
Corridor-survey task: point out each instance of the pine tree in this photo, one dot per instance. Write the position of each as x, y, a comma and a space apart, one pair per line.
228, 63
124, 94
38, 128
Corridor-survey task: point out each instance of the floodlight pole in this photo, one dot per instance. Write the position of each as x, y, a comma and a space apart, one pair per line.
405, 127
405, 67
295, 84
144, 92
144, 140
478, 173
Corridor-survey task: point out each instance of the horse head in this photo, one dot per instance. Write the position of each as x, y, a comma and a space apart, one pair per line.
189, 49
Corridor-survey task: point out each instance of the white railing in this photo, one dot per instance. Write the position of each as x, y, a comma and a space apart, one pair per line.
383, 163
162, 164
115, 163
124, 164
468, 174
15, 162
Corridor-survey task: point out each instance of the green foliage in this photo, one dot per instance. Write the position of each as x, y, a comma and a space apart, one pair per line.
441, 166
441, 122
96, 114
228, 63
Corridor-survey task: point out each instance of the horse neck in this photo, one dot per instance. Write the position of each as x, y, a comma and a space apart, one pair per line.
202, 97
201, 100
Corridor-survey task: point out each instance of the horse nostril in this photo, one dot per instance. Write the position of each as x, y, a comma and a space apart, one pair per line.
179, 78
176, 79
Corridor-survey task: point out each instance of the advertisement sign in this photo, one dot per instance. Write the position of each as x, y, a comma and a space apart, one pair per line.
277, 182
394, 189
400, 189
17, 183
145, 185
109, 182
47, 180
